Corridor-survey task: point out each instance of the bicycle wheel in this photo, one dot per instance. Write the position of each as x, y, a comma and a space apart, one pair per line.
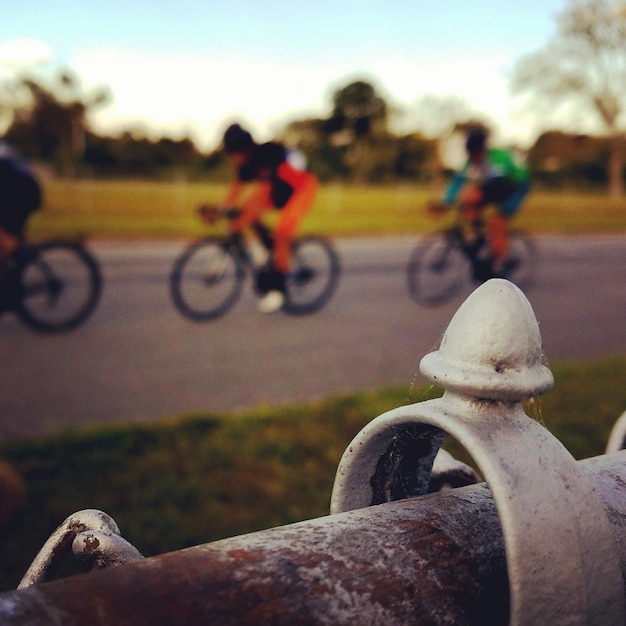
519, 266
206, 280
436, 270
60, 286
313, 276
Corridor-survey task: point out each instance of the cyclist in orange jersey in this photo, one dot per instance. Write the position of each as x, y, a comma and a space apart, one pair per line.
277, 185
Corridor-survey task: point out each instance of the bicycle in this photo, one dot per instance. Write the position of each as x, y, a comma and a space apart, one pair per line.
207, 278
53, 286
443, 262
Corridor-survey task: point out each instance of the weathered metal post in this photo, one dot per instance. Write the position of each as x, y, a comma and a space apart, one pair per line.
561, 553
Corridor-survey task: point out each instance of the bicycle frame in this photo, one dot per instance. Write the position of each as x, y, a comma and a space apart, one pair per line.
213, 215
10, 287
469, 228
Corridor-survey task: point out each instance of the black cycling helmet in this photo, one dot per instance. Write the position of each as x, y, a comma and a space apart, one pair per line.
237, 139
476, 140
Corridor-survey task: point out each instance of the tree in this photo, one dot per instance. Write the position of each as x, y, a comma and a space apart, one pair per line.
359, 123
558, 157
51, 123
585, 63
135, 154
359, 109
416, 157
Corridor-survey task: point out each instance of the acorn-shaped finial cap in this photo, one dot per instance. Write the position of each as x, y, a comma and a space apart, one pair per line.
492, 348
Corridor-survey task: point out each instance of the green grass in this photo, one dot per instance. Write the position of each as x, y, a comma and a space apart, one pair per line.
199, 478
166, 209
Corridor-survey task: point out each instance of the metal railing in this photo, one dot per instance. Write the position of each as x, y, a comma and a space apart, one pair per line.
541, 541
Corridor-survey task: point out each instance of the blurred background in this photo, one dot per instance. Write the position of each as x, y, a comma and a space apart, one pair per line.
369, 94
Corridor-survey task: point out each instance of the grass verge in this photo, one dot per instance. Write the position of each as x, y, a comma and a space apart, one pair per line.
167, 209
203, 477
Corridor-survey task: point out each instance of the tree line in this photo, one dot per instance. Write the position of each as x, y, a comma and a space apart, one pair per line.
352, 144
584, 64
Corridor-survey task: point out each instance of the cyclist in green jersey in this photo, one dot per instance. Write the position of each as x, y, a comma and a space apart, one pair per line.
490, 176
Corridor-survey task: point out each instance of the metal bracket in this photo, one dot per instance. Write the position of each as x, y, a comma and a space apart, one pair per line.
561, 556
92, 535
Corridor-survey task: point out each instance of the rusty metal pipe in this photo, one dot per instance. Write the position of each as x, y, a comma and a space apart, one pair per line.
436, 559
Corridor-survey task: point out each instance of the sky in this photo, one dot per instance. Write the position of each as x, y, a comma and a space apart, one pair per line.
191, 67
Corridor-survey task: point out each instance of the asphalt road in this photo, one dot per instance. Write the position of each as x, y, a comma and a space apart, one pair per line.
138, 359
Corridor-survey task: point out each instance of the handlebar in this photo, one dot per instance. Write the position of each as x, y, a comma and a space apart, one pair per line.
470, 196
211, 214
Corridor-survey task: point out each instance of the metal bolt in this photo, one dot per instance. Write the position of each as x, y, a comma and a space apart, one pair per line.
104, 549
91, 534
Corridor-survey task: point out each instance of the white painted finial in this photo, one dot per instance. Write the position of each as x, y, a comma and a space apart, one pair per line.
617, 438
492, 347
489, 361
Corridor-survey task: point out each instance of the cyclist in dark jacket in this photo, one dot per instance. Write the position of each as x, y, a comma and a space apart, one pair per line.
277, 185
20, 196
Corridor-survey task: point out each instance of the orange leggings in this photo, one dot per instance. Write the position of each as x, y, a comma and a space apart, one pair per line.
499, 236
497, 230
289, 220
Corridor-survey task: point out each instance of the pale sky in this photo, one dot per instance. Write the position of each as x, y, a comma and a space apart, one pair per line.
191, 67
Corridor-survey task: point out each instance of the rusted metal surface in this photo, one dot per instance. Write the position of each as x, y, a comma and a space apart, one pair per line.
435, 559
384, 565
